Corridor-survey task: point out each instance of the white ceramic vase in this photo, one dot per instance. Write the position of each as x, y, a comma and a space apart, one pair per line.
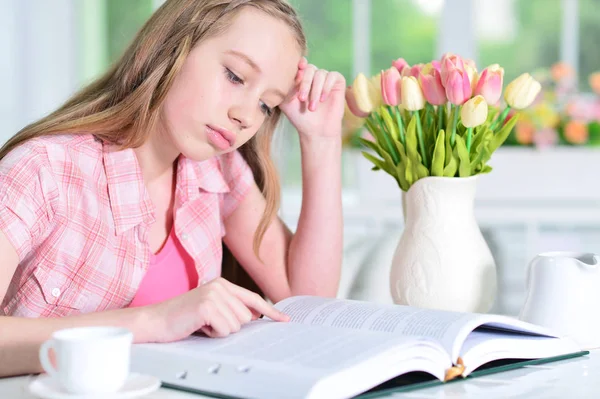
442, 260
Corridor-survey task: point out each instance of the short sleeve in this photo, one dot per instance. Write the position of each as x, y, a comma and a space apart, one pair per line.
239, 178
28, 196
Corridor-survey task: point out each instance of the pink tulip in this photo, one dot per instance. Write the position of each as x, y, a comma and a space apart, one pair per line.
490, 84
390, 86
413, 70
437, 65
431, 82
352, 105
450, 62
400, 64
458, 86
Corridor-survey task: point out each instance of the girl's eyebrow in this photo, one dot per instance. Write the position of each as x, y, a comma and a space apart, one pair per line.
245, 58
253, 65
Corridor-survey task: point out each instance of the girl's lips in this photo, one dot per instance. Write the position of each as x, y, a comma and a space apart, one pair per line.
229, 136
217, 139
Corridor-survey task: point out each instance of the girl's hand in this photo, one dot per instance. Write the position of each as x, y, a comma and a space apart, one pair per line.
217, 308
317, 106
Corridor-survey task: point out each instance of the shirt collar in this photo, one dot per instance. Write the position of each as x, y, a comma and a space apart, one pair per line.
193, 178
129, 200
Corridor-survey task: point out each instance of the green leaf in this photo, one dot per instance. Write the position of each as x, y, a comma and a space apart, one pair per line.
381, 164
480, 153
389, 123
486, 169
385, 137
401, 174
503, 133
422, 171
401, 152
464, 166
437, 163
482, 136
408, 173
450, 169
372, 145
448, 156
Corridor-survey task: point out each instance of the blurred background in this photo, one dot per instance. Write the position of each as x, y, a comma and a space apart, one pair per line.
543, 193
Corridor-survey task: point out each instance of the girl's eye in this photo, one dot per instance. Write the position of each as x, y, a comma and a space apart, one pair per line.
266, 110
233, 77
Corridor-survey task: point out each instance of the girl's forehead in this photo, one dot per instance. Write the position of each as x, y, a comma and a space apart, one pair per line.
268, 42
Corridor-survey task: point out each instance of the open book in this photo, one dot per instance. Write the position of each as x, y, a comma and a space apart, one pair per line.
335, 348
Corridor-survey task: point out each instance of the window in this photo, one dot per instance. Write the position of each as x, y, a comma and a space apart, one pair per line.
399, 28
589, 31
403, 28
107, 27
520, 35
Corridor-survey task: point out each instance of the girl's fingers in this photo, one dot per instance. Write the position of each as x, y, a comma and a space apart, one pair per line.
303, 63
241, 311
316, 89
332, 79
301, 67
221, 303
218, 325
306, 83
256, 303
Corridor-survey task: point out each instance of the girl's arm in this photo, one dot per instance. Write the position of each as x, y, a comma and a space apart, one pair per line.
309, 261
21, 337
217, 309
315, 252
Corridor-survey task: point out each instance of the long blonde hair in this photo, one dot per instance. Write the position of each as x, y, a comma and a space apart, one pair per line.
123, 105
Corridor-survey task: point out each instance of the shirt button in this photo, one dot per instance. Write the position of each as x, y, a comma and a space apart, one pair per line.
184, 236
55, 292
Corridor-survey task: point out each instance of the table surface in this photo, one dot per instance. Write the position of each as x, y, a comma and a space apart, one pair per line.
574, 378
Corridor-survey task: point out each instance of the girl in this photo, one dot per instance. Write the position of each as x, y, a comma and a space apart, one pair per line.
114, 208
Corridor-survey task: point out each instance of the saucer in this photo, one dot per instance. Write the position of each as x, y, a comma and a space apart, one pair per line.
136, 385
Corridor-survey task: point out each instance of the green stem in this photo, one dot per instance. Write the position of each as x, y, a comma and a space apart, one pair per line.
500, 118
469, 135
420, 137
400, 126
455, 112
386, 135
440, 118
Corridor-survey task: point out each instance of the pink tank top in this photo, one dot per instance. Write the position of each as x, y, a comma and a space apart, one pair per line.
171, 272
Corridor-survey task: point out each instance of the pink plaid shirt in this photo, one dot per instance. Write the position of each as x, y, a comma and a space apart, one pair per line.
78, 216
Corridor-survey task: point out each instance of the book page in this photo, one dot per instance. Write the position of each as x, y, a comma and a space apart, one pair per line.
275, 360
485, 345
296, 345
442, 326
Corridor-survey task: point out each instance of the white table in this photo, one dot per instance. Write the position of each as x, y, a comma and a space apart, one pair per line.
574, 378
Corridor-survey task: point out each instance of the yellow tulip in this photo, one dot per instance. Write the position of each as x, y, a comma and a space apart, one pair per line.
522, 91
361, 88
472, 74
474, 112
376, 93
412, 94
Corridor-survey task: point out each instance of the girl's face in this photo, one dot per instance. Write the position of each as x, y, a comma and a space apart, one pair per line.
230, 84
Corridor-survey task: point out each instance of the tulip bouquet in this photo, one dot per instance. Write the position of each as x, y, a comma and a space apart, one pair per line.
437, 119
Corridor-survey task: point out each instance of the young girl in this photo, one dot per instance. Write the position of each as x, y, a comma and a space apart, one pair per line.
114, 208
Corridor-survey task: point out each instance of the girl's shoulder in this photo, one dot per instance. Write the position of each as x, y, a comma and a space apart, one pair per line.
47, 146
48, 156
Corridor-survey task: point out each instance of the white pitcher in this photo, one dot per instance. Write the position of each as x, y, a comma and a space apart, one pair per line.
563, 294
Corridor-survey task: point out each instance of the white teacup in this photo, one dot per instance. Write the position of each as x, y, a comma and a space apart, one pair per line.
89, 360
